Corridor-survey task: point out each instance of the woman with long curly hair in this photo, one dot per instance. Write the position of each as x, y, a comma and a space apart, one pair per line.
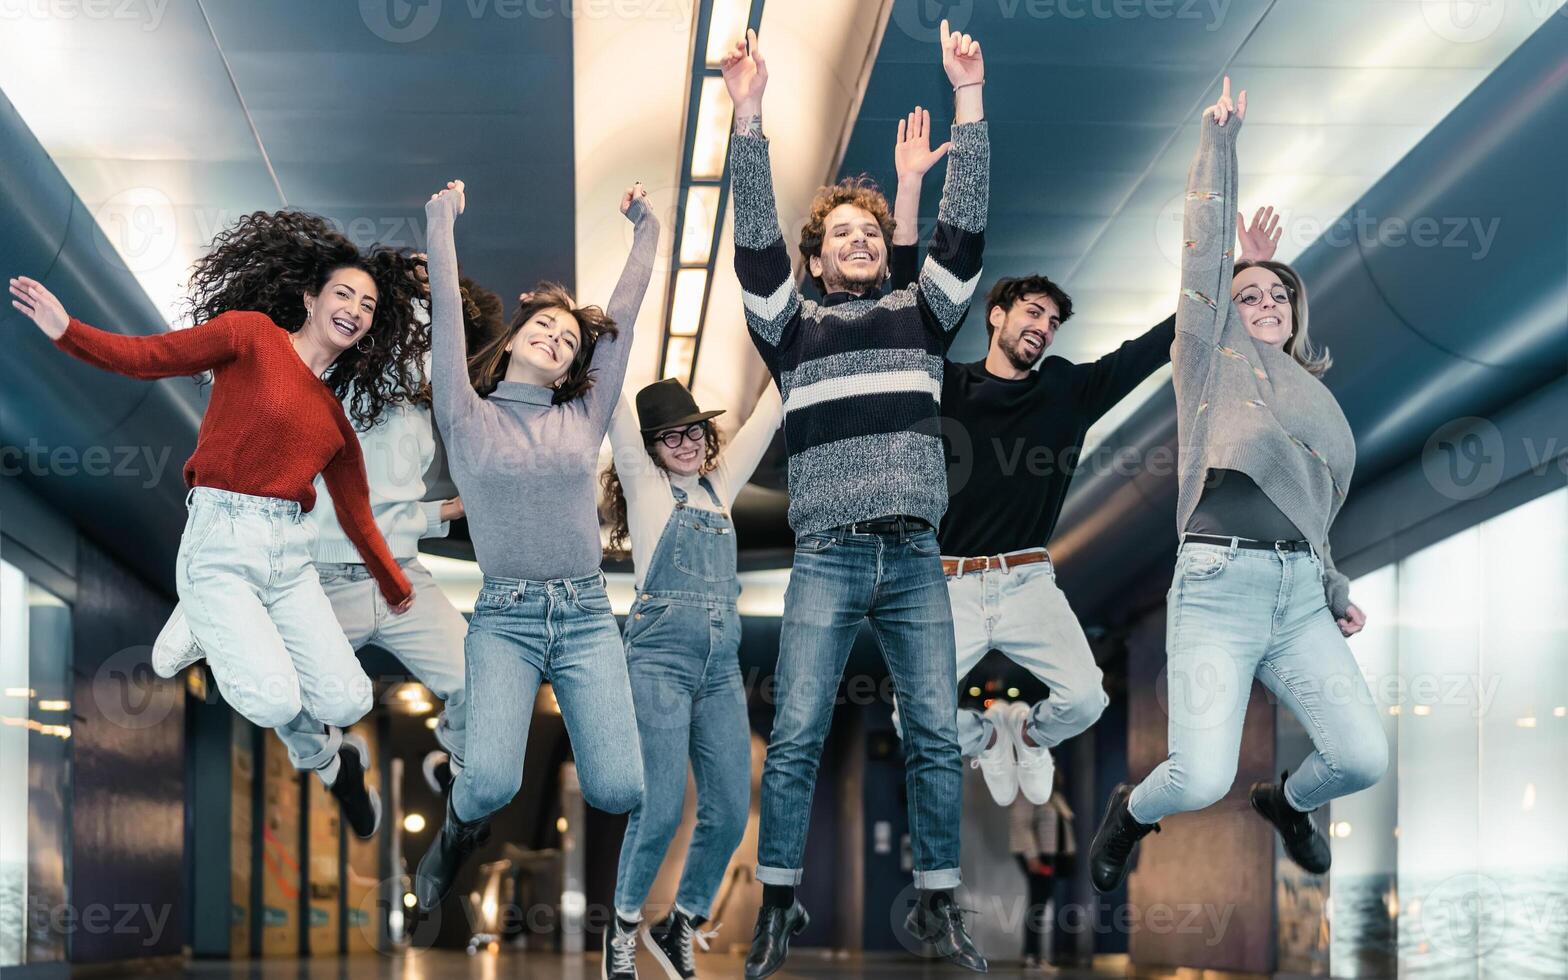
670, 491
397, 439
1266, 457
289, 318
522, 421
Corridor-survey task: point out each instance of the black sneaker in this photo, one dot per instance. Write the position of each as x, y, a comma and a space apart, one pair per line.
1119, 833
437, 768
1303, 842
670, 940
940, 924
361, 804
619, 961
445, 856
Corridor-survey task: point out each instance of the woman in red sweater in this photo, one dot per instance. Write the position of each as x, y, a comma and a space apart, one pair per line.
285, 321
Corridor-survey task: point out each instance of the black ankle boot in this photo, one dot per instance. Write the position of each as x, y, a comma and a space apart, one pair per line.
445, 856
1303, 843
1119, 833
359, 801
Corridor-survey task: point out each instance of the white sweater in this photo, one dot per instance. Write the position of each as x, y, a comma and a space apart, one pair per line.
649, 502
397, 451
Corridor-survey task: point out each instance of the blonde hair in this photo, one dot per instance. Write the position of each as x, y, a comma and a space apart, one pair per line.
1300, 345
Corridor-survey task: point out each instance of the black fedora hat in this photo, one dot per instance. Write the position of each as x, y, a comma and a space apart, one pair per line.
668, 405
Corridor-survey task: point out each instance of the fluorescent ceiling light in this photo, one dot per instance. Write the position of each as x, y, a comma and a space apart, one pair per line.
714, 111
686, 311
678, 359
702, 213
727, 26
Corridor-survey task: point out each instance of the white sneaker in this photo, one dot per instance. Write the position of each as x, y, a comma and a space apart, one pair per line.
998, 763
175, 648
1036, 768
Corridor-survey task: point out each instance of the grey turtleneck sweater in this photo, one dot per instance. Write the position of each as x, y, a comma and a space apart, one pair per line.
1242, 405
526, 467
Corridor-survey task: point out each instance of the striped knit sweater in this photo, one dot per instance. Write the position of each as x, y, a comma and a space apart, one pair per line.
1242, 405
862, 379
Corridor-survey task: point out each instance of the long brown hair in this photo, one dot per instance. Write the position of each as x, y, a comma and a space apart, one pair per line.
1300, 345
615, 493
487, 365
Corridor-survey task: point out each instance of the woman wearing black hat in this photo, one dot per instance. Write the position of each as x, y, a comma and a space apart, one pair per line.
670, 491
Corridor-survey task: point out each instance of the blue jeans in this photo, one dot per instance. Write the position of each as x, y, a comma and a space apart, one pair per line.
562, 631
1235, 614
685, 670
896, 582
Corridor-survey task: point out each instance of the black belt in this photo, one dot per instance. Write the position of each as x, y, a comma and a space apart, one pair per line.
1247, 543
899, 524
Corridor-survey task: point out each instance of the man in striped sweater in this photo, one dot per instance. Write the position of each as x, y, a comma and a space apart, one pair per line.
861, 377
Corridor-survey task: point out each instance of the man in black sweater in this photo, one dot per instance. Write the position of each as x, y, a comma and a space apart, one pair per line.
1014, 424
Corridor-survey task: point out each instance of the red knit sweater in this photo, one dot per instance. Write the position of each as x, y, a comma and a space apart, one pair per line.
271, 424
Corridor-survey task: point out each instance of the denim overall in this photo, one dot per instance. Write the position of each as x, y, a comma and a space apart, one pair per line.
682, 651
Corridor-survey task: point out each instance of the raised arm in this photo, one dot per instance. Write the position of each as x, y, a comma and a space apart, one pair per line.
160, 355
739, 459
350, 490
768, 292
628, 451
610, 354
953, 262
912, 157
452, 391
1103, 383
1207, 257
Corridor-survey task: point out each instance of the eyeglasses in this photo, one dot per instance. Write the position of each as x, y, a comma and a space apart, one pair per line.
1253, 295
672, 439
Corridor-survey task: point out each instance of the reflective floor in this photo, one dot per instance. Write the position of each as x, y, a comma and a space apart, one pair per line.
540, 966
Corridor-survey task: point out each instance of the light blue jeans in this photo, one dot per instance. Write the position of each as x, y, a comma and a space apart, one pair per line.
1234, 614
562, 631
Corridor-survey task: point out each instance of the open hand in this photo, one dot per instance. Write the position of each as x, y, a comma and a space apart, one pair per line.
912, 154
1226, 107
454, 190
745, 75
961, 58
1259, 241
40, 306
1354, 620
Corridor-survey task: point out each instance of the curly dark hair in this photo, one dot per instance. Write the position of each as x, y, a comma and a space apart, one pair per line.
614, 501
268, 261
487, 365
862, 192
484, 315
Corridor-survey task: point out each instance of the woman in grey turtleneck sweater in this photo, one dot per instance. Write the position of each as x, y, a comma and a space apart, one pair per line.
1251, 410
522, 420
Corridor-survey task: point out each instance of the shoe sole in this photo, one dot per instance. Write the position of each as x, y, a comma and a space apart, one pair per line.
805, 920
1253, 800
658, 956
428, 767
167, 666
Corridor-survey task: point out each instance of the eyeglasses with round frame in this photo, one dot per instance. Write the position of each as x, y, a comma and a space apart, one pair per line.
1253, 295
672, 438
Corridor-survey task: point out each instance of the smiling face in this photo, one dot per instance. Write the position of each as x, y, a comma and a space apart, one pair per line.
854, 252
1264, 303
1023, 332
543, 347
343, 311
686, 458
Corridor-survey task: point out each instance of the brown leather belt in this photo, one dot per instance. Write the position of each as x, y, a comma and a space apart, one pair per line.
963, 566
